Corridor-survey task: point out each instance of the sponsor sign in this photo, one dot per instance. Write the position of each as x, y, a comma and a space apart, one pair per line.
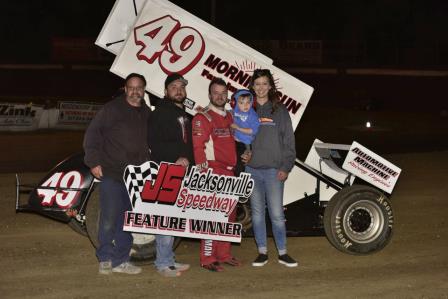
372, 168
77, 114
167, 39
19, 117
166, 200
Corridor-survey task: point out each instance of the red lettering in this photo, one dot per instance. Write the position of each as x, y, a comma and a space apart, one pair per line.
166, 187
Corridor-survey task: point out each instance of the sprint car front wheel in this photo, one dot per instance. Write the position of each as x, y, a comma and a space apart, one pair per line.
359, 220
144, 246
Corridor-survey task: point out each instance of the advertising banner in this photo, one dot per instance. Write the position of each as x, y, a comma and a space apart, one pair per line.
372, 168
76, 114
19, 117
166, 200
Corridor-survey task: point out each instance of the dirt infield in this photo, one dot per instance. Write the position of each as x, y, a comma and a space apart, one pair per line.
42, 258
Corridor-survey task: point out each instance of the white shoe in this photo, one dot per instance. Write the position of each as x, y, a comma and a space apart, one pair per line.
181, 267
170, 271
127, 268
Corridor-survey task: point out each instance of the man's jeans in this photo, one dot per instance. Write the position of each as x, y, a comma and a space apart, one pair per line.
114, 243
268, 191
165, 254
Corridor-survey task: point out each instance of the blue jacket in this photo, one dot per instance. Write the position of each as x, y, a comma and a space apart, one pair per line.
245, 120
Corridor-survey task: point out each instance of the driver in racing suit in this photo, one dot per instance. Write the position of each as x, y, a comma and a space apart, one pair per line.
214, 147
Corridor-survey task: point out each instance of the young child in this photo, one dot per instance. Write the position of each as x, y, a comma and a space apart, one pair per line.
245, 124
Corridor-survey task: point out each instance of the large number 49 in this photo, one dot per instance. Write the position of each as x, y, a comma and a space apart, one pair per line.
177, 48
55, 189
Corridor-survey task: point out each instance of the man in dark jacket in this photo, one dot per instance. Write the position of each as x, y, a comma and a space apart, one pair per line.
115, 138
169, 139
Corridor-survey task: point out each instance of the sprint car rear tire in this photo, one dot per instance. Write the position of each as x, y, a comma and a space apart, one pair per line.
143, 249
358, 220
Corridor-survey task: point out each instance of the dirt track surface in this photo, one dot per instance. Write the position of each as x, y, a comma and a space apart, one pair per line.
42, 258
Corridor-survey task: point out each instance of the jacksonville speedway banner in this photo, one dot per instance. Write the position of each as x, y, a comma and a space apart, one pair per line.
76, 114
372, 168
162, 39
19, 117
167, 200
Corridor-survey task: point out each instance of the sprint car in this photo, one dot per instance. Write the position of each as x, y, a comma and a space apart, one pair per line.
320, 198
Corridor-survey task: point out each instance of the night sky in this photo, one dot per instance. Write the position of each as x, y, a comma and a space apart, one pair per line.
410, 33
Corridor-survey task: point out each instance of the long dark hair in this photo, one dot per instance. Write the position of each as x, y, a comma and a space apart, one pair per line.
273, 93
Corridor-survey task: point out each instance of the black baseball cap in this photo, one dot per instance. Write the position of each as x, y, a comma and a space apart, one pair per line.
174, 77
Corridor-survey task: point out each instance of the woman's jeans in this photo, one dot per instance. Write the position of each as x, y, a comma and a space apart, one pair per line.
268, 191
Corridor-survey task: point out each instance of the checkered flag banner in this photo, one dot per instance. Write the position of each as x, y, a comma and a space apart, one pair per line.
135, 177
